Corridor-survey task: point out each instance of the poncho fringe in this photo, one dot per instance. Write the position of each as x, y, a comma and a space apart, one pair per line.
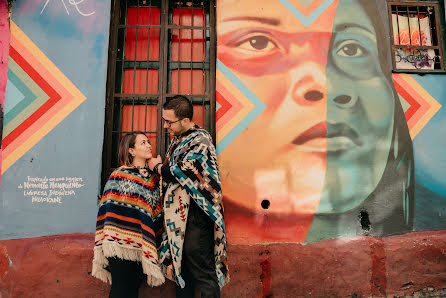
100, 262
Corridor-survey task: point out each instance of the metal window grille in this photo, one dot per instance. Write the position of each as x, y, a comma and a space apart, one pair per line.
416, 37
158, 48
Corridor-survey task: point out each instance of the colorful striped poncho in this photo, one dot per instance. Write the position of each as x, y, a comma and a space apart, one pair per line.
193, 163
129, 221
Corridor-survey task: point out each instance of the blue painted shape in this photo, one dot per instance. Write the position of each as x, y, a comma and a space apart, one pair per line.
429, 144
430, 209
13, 95
27, 100
430, 161
306, 21
259, 107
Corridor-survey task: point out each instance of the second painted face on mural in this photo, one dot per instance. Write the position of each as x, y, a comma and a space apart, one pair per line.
322, 142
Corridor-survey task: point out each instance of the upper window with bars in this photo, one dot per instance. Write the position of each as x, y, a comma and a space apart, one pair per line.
158, 48
416, 37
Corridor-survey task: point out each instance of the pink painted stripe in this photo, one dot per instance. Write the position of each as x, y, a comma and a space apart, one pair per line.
38, 124
65, 98
41, 69
43, 84
424, 105
236, 105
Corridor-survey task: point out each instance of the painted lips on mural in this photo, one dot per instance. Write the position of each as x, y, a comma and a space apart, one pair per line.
342, 138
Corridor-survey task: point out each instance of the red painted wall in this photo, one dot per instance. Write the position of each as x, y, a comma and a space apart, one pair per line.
60, 266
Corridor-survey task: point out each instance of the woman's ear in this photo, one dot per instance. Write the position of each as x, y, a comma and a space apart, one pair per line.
132, 151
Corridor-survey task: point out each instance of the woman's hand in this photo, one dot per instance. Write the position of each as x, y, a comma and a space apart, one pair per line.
153, 162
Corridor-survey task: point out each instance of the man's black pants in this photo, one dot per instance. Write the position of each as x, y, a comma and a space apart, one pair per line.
198, 264
126, 278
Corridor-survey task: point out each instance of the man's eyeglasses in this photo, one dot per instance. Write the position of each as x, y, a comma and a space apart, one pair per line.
169, 123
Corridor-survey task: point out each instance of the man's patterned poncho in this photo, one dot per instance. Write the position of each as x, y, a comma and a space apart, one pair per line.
129, 222
193, 162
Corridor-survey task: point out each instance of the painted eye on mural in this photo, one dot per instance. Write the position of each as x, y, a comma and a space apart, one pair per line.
350, 48
257, 43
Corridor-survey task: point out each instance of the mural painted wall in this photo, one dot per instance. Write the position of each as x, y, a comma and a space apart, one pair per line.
317, 139
54, 117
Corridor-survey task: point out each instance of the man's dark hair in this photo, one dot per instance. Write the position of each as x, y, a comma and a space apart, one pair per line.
181, 105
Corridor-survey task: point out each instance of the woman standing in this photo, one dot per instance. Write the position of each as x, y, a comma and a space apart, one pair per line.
129, 222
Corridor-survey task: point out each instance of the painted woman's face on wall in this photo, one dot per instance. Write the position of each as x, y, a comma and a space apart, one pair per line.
321, 143
360, 106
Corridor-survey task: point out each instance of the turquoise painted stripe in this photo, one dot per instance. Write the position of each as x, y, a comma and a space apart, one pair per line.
404, 200
259, 107
19, 107
407, 208
401, 161
307, 21
408, 173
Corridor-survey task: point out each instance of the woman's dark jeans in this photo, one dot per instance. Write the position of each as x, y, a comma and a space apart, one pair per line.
126, 278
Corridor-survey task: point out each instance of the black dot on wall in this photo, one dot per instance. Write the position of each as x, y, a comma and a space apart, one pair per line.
265, 204
365, 221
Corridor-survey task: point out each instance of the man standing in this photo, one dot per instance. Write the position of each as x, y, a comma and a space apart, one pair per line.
193, 250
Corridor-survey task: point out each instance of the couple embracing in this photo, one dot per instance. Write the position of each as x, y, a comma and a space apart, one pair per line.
173, 229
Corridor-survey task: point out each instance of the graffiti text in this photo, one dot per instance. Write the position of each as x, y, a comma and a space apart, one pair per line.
74, 3
50, 189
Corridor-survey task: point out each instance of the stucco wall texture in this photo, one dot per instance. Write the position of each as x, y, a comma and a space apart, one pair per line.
60, 266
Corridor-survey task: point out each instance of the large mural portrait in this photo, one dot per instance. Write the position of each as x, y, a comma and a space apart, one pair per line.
319, 146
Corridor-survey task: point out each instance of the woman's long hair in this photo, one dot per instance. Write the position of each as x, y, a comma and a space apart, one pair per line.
393, 199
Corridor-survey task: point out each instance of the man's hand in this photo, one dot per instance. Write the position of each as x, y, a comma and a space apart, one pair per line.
154, 161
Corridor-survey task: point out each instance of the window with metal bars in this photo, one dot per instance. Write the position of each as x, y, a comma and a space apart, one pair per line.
158, 49
416, 37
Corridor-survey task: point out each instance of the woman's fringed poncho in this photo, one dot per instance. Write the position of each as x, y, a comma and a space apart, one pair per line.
129, 221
